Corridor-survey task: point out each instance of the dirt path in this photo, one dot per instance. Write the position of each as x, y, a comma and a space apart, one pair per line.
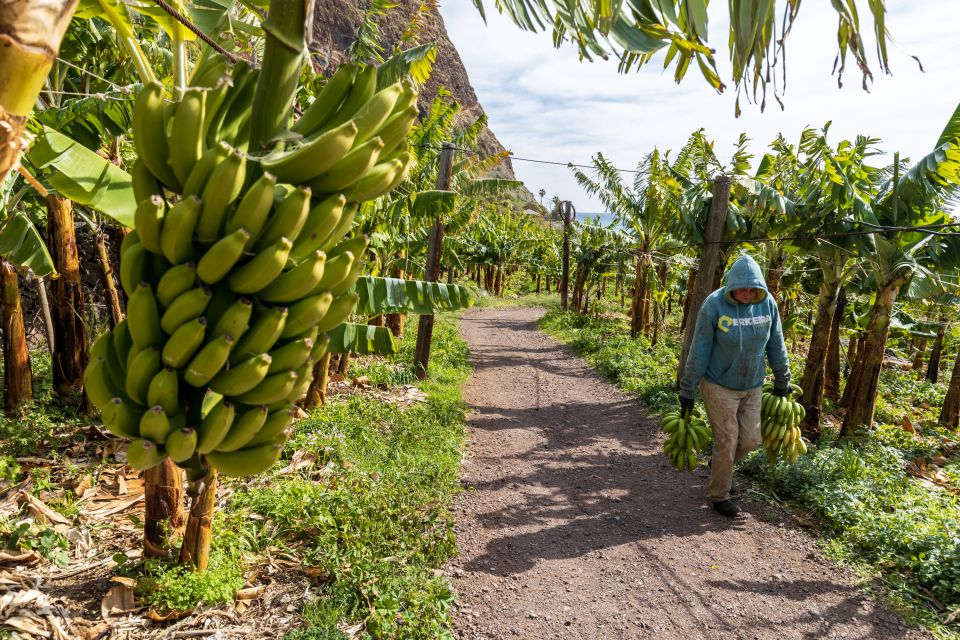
574, 526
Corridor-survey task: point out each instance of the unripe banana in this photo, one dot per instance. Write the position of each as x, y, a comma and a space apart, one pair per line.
143, 454
242, 377
134, 267
187, 306
287, 220
335, 270
306, 313
343, 227
247, 462
356, 245
350, 168
184, 342
245, 427
290, 356
235, 320
271, 389
275, 424
266, 329
148, 220
251, 214
223, 187
176, 281
186, 136
176, 237
144, 316
164, 390
222, 256
347, 283
97, 383
150, 134
299, 389
145, 365
265, 267
181, 444
144, 183
394, 131
120, 344
376, 111
380, 179
327, 101
121, 418
215, 426
322, 220
209, 361
296, 283
361, 91
338, 312
155, 425
200, 174
314, 157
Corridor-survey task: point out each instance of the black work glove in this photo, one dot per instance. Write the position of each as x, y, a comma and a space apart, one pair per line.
686, 406
777, 391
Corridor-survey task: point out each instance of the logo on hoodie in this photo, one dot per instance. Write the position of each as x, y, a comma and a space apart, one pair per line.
725, 322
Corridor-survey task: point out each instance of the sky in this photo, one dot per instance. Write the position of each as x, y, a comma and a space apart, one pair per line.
543, 103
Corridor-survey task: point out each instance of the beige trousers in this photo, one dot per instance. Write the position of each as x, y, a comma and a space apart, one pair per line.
735, 417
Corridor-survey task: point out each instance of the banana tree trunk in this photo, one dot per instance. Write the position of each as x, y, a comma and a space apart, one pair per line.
831, 372
775, 274
933, 365
950, 412
317, 393
853, 359
17, 377
70, 353
164, 515
199, 530
110, 292
862, 401
919, 352
639, 294
813, 369
30, 35
538, 283
691, 285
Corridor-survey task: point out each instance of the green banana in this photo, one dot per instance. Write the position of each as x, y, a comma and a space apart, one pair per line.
315, 156
275, 424
319, 348
184, 342
347, 283
145, 185
372, 115
287, 220
271, 389
321, 221
363, 89
143, 454
242, 377
121, 418
296, 283
150, 134
356, 245
394, 131
220, 258
145, 365
155, 425
247, 462
164, 390
327, 100
148, 220
181, 443
343, 227
223, 187
291, 355
380, 179
235, 320
350, 168
265, 267
252, 211
186, 136
262, 335
300, 387
306, 313
245, 428
209, 361
176, 281
335, 271
215, 426
144, 315
134, 267
176, 236
200, 174
339, 310
97, 383
187, 306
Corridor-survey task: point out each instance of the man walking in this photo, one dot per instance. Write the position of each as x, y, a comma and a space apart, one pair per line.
736, 326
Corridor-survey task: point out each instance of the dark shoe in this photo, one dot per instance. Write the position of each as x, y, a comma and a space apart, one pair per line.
728, 508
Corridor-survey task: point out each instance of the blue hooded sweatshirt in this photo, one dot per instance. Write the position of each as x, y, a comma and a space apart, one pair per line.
731, 338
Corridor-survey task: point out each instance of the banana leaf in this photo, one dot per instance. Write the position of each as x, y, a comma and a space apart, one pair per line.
362, 339
22, 246
83, 176
395, 295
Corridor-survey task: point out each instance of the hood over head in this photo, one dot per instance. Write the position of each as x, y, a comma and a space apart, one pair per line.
745, 273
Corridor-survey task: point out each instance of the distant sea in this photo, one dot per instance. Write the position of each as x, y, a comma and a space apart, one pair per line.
605, 218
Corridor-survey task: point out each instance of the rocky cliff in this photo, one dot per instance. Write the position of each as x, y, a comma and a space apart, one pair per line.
335, 26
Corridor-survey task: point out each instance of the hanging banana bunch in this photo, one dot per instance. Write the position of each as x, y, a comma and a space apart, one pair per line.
686, 437
239, 265
780, 417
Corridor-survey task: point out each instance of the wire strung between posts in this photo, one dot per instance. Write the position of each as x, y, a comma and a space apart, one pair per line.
182, 19
89, 73
518, 159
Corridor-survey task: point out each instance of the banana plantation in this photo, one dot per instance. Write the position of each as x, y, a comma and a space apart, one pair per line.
234, 263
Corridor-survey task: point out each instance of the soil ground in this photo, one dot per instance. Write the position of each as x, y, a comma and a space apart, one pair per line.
573, 525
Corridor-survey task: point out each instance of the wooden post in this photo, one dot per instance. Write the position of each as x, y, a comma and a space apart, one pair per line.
568, 213
708, 261
17, 377
421, 357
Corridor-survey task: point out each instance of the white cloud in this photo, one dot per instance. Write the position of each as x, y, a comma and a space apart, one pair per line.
544, 103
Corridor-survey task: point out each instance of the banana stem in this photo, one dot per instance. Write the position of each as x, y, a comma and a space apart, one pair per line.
179, 63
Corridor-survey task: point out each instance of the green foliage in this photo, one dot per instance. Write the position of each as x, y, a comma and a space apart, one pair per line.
28, 536
179, 588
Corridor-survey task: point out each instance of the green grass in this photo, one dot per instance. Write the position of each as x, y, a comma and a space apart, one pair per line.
872, 515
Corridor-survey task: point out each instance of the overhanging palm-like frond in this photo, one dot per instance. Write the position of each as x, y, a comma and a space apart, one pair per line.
362, 339
395, 295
